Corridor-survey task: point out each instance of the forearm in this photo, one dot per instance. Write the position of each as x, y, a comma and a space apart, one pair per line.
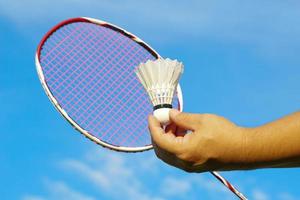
276, 144
215, 143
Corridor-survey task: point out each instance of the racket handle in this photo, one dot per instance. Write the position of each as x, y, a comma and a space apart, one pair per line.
228, 185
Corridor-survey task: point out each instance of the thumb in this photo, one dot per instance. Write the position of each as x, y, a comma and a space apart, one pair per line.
166, 141
187, 121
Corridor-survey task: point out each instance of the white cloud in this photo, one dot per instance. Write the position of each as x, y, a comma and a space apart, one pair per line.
125, 176
130, 176
259, 195
32, 197
95, 176
264, 29
225, 21
286, 196
211, 185
110, 172
172, 186
59, 190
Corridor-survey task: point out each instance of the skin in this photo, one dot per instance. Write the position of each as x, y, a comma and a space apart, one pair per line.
215, 143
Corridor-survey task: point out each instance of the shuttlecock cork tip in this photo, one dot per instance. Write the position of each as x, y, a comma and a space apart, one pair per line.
160, 78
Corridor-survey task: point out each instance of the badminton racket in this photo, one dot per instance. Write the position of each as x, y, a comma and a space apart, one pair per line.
86, 67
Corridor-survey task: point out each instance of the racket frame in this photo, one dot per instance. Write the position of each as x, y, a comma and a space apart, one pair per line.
58, 106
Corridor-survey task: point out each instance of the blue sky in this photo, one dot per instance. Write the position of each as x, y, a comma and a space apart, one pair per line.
241, 61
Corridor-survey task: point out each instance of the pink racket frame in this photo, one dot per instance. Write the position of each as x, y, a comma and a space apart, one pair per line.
63, 112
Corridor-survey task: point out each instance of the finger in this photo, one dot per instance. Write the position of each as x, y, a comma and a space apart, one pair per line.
172, 159
187, 121
164, 140
163, 154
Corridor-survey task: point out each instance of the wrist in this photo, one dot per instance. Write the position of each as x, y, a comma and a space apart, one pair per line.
255, 147
249, 144
244, 143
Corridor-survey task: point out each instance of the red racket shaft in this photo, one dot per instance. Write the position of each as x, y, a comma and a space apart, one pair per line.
228, 185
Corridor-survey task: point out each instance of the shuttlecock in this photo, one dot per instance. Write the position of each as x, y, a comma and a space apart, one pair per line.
160, 79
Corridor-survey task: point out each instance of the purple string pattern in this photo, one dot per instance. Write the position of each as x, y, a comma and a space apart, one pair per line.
89, 69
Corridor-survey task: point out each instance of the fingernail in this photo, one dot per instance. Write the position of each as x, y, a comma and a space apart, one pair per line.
174, 112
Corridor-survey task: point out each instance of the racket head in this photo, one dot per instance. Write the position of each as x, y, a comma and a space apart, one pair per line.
86, 67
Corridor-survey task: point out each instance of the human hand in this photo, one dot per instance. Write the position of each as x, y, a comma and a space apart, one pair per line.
212, 142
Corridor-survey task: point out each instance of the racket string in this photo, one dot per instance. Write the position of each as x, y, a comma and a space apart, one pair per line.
78, 90
64, 38
130, 116
111, 94
65, 49
117, 114
71, 60
77, 86
136, 136
117, 94
98, 80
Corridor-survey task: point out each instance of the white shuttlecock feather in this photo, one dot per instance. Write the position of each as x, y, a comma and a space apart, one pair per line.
160, 79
